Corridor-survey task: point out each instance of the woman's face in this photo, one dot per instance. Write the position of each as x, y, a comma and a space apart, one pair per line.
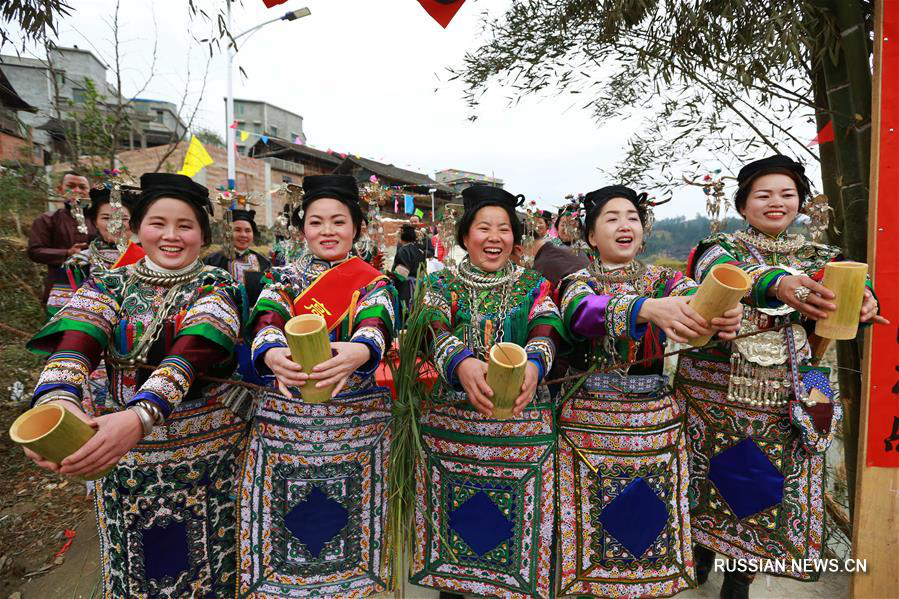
540, 226
329, 229
241, 234
101, 221
772, 203
617, 233
171, 234
490, 240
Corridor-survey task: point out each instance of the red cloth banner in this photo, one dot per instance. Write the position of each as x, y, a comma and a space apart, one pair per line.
883, 407
442, 11
271, 3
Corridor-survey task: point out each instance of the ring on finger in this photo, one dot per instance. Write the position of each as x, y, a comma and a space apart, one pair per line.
802, 294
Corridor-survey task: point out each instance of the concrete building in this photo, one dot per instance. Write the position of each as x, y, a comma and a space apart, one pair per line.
262, 118
56, 86
15, 140
458, 180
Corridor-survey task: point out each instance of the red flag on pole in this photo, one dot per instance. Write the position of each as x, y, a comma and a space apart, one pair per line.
824, 135
271, 3
442, 11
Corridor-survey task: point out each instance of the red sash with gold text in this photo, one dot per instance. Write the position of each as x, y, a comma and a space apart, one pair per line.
334, 294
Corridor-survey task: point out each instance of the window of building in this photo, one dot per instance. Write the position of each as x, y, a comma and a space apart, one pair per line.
293, 136
60, 79
78, 95
160, 116
274, 131
257, 127
286, 179
238, 109
240, 149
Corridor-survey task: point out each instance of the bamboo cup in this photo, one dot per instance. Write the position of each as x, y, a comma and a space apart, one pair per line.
847, 281
721, 290
307, 337
54, 433
505, 375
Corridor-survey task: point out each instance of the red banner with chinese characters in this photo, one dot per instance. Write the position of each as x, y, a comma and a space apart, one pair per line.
883, 407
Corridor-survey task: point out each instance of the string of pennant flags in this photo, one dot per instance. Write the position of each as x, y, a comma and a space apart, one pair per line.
244, 135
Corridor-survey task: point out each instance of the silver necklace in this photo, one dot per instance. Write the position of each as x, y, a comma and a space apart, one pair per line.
785, 244
144, 274
475, 283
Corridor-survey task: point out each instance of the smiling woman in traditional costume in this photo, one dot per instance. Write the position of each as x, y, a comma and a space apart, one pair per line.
313, 495
485, 508
240, 259
111, 223
166, 509
756, 434
622, 452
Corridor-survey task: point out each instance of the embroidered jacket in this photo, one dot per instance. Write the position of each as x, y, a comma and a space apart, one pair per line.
240, 265
532, 320
110, 315
98, 256
765, 267
373, 322
592, 311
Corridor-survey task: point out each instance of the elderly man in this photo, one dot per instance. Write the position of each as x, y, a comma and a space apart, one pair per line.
54, 235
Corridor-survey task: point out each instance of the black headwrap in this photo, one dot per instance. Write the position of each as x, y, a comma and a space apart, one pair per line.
167, 185
595, 200
766, 166
547, 216
478, 196
342, 188
245, 215
101, 195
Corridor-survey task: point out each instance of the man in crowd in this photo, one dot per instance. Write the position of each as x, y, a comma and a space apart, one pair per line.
54, 235
424, 238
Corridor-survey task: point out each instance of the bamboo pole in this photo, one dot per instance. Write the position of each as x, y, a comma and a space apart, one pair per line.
876, 519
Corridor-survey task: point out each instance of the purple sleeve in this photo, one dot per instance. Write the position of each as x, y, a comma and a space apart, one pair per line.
589, 319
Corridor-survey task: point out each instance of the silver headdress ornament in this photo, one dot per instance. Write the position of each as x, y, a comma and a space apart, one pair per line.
374, 195
446, 231
818, 211
116, 181
716, 202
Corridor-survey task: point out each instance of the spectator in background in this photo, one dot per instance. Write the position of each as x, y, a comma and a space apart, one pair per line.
54, 236
424, 240
409, 256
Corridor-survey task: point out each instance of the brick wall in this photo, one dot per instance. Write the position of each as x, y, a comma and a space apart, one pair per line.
15, 148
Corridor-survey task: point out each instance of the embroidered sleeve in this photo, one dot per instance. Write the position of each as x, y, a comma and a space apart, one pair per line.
448, 350
276, 296
762, 275
265, 326
374, 324
93, 309
545, 330
69, 366
584, 312
189, 358
215, 315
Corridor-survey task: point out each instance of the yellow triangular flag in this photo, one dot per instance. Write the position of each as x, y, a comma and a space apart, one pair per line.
196, 158
244, 135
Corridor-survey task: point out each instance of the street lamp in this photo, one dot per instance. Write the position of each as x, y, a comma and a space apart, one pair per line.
229, 102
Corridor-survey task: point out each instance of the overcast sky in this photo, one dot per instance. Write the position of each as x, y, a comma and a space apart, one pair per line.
369, 77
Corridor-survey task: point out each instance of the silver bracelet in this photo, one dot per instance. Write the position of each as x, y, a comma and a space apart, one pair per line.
146, 419
59, 396
153, 410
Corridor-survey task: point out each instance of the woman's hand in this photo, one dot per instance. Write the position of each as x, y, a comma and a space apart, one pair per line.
869, 310
117, 434
728, 325
350, 357
528, 388
472, 375
287, 372
47, 464
674, 316
816, 305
